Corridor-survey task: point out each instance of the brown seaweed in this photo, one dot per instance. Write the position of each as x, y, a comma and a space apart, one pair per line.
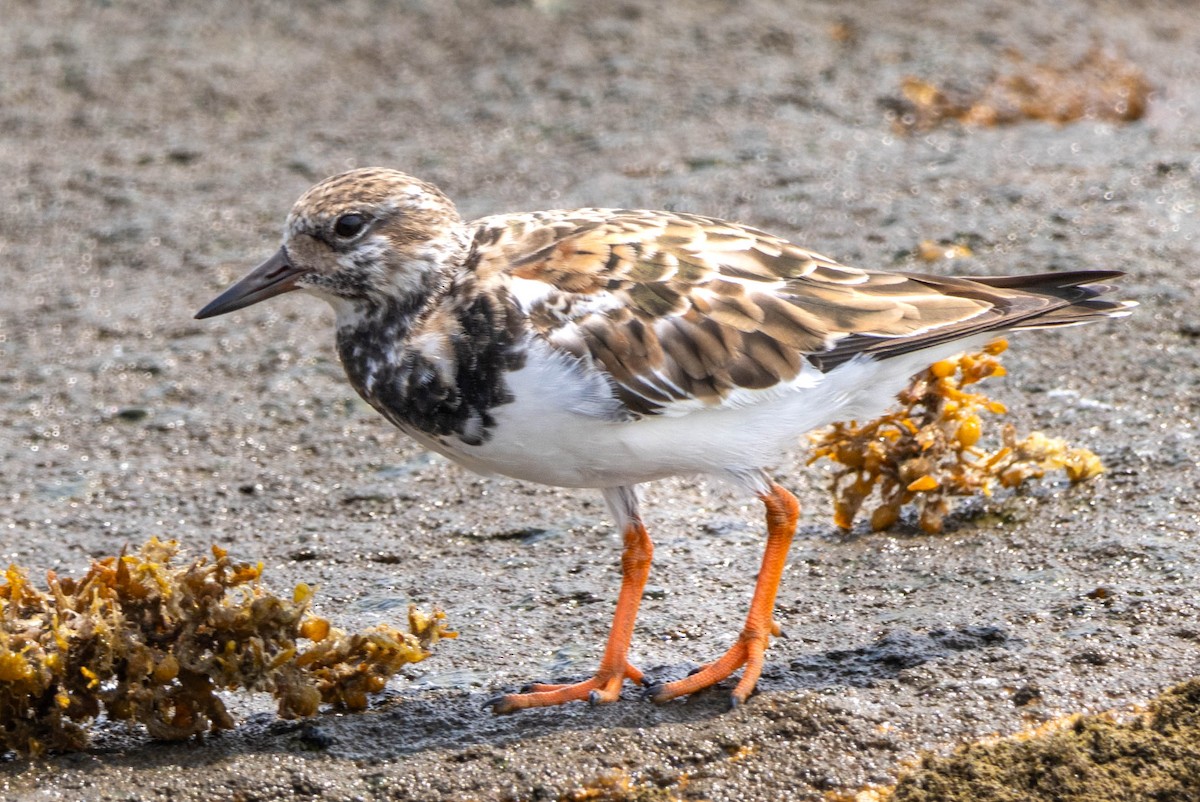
929, 449
140, 639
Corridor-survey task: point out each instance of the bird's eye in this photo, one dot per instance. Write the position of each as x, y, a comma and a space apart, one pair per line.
349, 225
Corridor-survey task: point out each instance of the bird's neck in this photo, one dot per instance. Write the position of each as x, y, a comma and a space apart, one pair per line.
373, 332
438, 369
396, 314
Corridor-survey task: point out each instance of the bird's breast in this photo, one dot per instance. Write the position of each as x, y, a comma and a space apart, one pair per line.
444, 378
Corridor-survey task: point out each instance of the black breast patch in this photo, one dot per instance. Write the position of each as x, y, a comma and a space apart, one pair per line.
455, 399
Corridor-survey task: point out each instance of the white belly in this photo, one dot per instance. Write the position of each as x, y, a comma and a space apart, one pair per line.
559, 429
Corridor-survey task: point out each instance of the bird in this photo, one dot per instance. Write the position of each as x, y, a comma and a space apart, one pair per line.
607, 348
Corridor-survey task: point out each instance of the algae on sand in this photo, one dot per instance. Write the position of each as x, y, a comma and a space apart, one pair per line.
1154, 756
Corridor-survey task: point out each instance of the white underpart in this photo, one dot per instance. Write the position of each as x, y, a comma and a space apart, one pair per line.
559, 430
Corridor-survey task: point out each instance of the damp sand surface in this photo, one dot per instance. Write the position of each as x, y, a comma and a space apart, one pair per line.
149, 156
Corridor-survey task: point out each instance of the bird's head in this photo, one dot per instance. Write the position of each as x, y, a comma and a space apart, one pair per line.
368, 236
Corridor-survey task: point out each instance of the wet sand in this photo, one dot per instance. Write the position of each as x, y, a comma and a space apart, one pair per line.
149, 157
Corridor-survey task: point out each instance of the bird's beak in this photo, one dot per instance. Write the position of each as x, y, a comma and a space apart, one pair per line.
273, 277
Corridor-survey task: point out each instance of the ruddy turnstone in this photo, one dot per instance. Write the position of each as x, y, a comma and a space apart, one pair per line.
604, 348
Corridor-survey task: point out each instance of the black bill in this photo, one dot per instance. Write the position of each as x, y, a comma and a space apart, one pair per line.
273, 277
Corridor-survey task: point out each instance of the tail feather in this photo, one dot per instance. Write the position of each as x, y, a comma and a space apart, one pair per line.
1080, 290
1042, 300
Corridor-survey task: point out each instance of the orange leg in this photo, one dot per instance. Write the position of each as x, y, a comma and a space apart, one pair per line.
614, 668
782, 513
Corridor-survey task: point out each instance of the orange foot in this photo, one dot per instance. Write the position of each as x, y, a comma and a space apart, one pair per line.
603, 688
782, 513
748, 652
615, 667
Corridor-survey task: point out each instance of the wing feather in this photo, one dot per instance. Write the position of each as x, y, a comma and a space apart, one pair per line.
680, 308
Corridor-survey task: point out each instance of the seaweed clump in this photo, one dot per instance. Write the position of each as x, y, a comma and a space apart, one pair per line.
1096, 87
142, 640
928, 450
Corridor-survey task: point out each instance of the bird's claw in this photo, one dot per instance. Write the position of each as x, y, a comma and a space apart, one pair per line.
493, 702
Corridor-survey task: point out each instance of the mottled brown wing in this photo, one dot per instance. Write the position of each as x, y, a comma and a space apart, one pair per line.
679, 308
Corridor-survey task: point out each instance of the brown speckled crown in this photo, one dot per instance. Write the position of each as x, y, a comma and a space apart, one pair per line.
363, 189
